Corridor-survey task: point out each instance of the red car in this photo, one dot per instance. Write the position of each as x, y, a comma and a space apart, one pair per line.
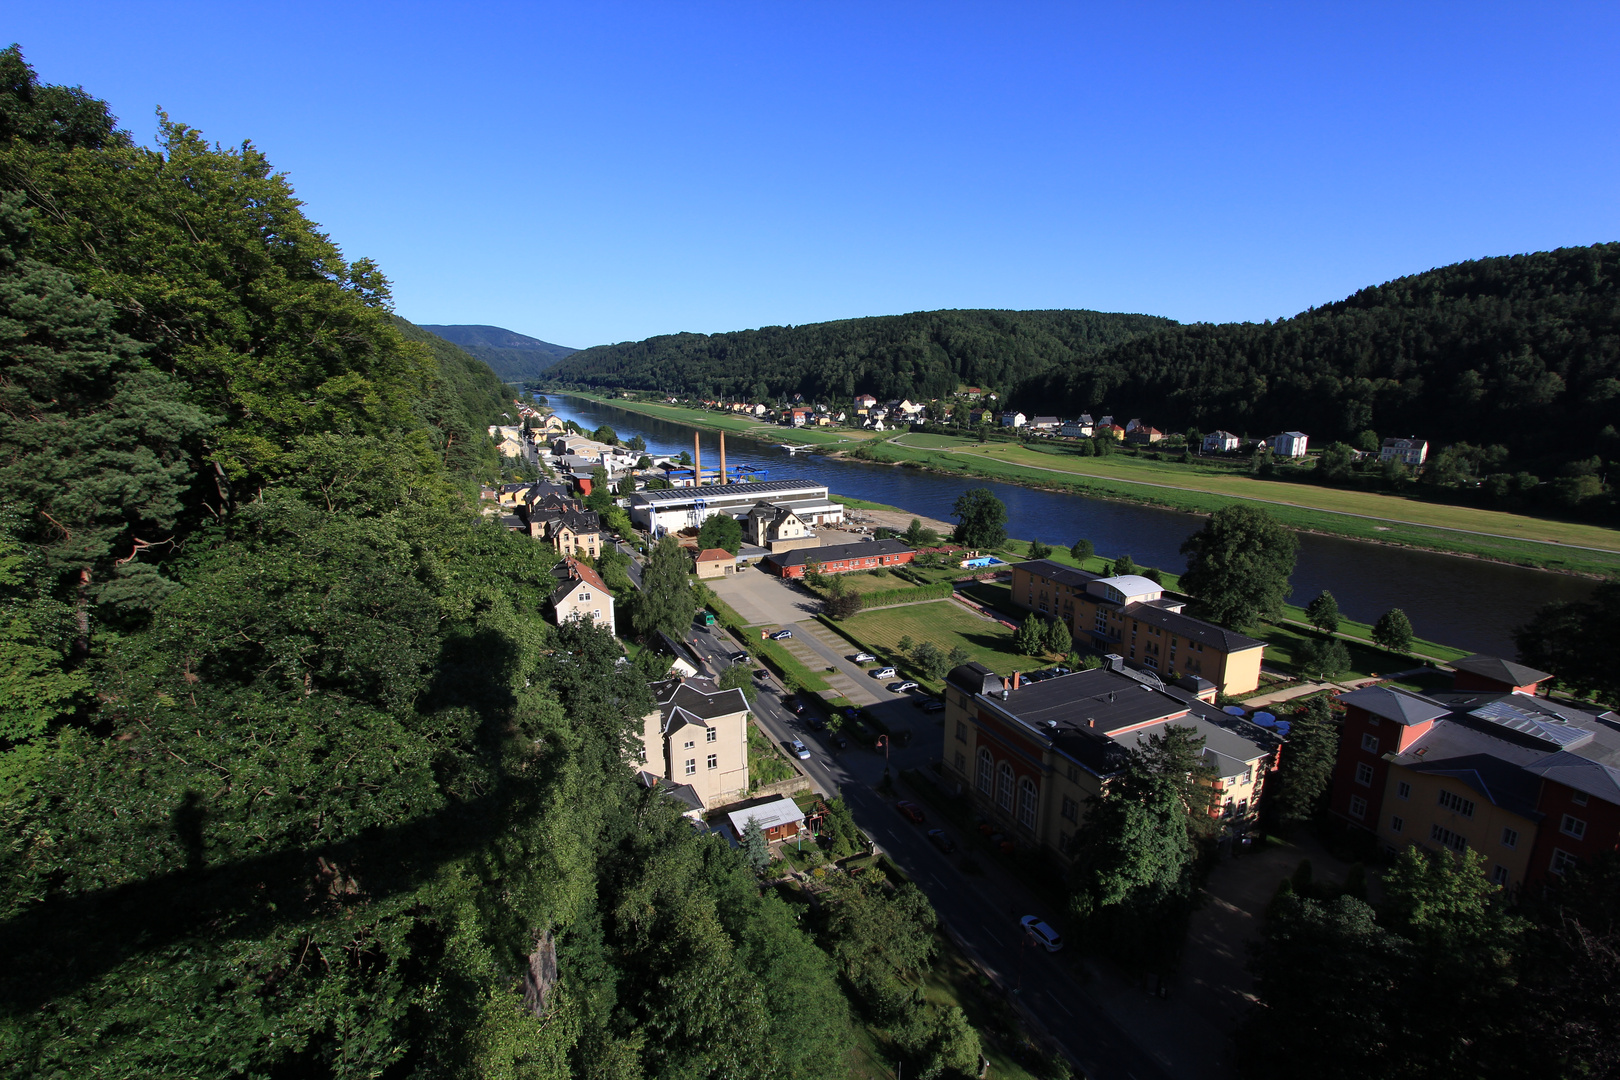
911, 811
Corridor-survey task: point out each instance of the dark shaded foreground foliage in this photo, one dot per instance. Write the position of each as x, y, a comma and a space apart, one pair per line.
295, 776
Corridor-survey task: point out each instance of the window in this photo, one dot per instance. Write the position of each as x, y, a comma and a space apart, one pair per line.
691, 766
1364, 774
1578, 798
1151, 662
714, 761
584, 596
1457, 803
689, 744
987, 769
1510, 838
961, 731
961, 762
1074, 774
1404, 790
1369, 743
1561, 861
1071, 809
1445, 836
597, 614
1026, 803
1064, 840
1396, 824
1358, 806
1004, 787
1500, 874
1572, 826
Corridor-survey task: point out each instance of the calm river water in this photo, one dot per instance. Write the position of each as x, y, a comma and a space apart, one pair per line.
1464, 602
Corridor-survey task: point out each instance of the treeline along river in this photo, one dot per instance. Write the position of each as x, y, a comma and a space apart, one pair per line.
1468, 603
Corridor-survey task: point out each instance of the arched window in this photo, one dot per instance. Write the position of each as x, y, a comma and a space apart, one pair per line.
1026, 803
987, 773
1004, 790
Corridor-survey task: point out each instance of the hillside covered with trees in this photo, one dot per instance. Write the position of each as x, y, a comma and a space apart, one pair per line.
1521, 353
512, 356
926, 354
296, 779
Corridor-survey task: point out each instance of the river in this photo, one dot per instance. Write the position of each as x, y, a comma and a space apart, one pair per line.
1468, 603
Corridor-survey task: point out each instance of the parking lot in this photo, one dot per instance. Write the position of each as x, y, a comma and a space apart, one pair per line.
762, 599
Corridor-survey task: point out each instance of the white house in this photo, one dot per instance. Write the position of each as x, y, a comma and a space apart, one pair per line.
1076, 429
1220, 442
1289, 444
1044, 423
864, 402
1013, 419
1411, 451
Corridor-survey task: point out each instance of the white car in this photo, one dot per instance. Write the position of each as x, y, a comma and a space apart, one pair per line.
902, 687
865, 658
1042, 934
800, 751
884, 673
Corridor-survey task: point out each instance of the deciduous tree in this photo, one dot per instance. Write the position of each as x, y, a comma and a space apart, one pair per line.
1238, 565
981, 519
1323, 613
1393, 631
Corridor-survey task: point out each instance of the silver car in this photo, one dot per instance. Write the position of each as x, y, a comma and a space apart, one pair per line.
884, 673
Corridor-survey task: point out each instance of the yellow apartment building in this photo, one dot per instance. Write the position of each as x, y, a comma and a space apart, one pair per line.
1130, 615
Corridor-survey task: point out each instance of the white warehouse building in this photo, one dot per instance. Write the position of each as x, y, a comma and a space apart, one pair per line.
673, 509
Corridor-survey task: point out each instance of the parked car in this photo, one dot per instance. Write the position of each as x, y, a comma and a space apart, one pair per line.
910, 811
884, 673
838, 741
816, 723
738, 658
1042, 934
938, 838
902, 687
781, 635
793, 705
932, 704
705, 618
864, 658
800, 751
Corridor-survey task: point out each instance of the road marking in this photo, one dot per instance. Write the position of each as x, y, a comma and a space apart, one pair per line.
1059, 1004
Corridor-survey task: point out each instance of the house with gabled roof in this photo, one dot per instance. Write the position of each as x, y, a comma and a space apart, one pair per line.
697, 734
580, 594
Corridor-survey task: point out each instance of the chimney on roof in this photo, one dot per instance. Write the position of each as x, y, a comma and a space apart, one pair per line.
1091, 721
1017, 681
1116, 662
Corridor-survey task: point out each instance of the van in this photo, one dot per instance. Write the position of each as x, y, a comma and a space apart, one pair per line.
705, 618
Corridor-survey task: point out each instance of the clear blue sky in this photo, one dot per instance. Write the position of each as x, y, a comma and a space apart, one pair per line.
594, 172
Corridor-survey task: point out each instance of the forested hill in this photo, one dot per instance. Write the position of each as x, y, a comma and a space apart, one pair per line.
296, 778
512, 356
1521, 351
926, 354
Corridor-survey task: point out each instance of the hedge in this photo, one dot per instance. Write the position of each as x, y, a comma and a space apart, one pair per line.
940, 590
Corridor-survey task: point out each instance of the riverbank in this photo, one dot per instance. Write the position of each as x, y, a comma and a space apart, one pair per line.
1388, 520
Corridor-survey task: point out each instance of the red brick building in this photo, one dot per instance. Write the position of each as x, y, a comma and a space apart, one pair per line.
842, 558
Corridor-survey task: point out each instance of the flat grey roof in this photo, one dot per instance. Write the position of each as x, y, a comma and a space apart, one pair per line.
754, 490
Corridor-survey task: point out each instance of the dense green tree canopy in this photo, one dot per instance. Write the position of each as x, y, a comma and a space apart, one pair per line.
981, 519
1238, 565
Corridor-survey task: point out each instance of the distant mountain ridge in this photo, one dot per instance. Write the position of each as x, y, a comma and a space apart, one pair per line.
512, 356
923, 354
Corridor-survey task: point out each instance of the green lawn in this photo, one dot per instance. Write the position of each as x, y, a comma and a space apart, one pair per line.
867, 582
947, 624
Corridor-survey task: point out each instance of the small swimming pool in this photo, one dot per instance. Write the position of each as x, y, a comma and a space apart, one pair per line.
982, 560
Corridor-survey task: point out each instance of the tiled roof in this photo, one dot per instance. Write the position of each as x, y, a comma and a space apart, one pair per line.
1580, 773
715, 555
1397, 705
840, 552
1502, 671
1192, 629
